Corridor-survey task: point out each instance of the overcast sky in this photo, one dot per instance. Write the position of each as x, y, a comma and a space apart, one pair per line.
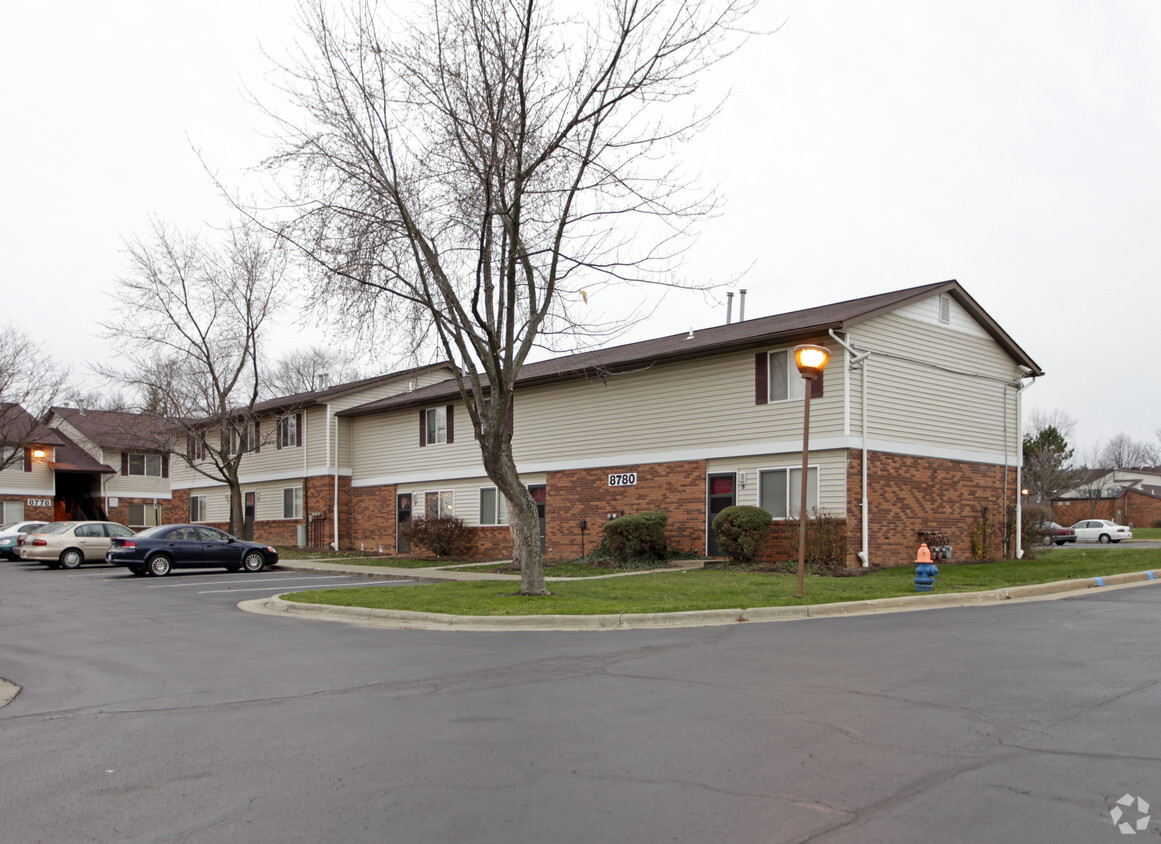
865, 147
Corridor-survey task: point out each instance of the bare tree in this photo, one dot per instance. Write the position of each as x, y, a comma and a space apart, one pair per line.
474, 177
1123, 452
30, 383
306, 370
191, 348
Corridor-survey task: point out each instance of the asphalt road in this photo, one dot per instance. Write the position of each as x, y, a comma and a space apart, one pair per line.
152, 710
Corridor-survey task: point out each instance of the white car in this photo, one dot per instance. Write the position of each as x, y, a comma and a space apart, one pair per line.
1101, 530
10, 533
68, 544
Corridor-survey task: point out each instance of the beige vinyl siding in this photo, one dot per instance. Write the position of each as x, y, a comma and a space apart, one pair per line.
267, 508
388, 444
687, 406
927, 404
832, 471
133, 486
38, 483
76, 436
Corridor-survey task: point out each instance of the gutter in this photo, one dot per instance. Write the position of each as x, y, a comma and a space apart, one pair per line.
856, 358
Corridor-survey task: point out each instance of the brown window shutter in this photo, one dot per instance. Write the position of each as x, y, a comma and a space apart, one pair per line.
27, 459
298, 428
280, 426
451, 429
761, 378
257, 436
165, 465
422, 428
816, 388
124, 463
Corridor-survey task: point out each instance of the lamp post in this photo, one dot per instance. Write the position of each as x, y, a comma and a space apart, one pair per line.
811, 360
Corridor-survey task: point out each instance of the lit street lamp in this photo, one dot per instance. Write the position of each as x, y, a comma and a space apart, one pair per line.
811, 360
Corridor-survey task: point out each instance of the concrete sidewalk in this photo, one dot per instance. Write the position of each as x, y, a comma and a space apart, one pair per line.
401, 619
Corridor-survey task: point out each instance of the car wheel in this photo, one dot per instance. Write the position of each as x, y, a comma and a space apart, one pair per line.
253, 561
139, 570
1105, 539
160, 565
71, 558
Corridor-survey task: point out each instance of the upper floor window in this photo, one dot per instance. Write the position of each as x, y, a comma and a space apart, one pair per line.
776, 378
148, 465
195, 447
436, 425
245, 437
290, 430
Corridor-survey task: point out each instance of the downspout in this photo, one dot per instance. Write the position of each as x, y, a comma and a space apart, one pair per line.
865, 554
1020, 468
335, 503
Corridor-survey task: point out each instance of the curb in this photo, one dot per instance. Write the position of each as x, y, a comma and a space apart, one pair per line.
405, 620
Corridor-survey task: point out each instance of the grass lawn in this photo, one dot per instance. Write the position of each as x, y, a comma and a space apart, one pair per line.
703, 590
1147, 533
391, 562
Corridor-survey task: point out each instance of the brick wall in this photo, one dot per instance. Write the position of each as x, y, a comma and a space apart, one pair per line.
676, 488
318, 507
166, 512
909, 494
372, 519
31, 514
1133, 508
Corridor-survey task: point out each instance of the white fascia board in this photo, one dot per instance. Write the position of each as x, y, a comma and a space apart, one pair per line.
26, 492
134, 493
201, 480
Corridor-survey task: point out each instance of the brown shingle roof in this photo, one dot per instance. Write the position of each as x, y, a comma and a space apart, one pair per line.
118, 430
752, 333
18, 427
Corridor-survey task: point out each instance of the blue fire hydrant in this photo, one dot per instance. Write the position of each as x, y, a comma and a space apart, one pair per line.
925, 570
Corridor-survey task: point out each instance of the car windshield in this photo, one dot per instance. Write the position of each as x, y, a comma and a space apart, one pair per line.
56, 527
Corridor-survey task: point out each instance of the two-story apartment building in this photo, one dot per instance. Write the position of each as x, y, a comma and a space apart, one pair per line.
296, 470
915, 427
27, 480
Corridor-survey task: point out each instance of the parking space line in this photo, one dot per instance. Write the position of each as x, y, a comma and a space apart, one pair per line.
174, 584
307, 588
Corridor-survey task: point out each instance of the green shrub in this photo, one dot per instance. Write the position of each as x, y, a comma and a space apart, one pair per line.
826, 542
443, 537
1033, 519
742, 531
636, 536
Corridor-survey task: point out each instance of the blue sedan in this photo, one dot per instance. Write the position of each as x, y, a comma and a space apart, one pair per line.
158, 550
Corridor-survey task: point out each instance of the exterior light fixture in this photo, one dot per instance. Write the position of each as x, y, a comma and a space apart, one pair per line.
811, 360
38, 452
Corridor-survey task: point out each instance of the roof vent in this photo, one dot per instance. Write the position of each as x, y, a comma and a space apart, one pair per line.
689, 336
944, 310
322, 380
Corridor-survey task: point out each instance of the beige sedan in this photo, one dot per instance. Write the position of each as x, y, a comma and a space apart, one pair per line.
68, 544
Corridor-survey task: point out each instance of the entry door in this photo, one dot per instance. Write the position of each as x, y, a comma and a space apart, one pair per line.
251, 502
540, 496
720, 494
402, 517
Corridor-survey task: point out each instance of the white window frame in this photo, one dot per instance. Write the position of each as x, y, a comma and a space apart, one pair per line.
792, 480
495, 512
11, 511
288, 434
435, 425
294, 511
150, 515
197, 508
443, 496
783, 386
145, 463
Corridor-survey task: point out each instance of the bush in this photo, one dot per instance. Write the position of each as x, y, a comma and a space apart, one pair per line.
742, 531
443, 537
826, 542
636, 536
1033, 519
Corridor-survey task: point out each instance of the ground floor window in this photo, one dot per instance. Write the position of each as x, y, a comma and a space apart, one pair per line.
12, 511
436, 505
144, 515
292, 502
780, 491
493, 507
197, 508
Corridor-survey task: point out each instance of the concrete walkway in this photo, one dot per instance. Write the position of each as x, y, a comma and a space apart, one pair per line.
400, 619
436, 574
